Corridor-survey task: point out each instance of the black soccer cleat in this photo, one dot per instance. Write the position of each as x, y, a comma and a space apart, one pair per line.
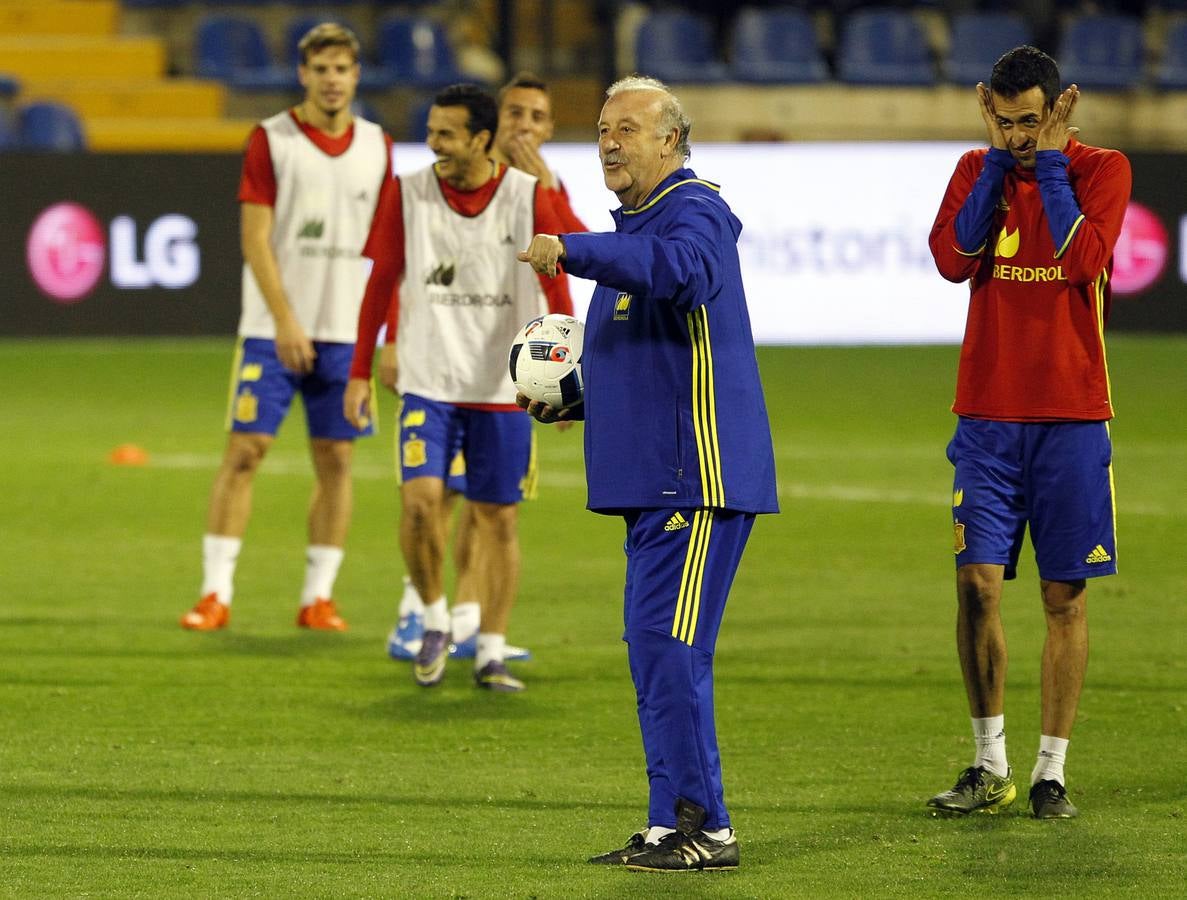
977, 790
679, 852
635, 845
688, 848
1048, 800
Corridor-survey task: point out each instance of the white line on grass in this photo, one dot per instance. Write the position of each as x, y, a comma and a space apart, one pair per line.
843, 493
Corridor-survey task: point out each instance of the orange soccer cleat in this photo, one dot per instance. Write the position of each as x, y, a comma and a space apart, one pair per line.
208, 615
321, 615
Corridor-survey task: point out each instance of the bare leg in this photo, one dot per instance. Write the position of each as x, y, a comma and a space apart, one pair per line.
495, 562
333, 496
422, 539
230, 497
466, 589
1065, 654
980, 639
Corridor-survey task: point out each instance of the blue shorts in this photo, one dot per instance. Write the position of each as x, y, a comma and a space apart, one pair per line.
1055, 477
262, 390
497, 449
680, 565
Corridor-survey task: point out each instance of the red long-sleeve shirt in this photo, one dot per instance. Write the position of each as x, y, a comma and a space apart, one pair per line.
1034, 341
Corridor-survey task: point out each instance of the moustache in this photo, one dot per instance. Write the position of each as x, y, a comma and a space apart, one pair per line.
613, 159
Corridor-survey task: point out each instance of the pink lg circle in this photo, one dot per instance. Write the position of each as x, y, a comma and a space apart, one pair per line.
1141, 251
66, 252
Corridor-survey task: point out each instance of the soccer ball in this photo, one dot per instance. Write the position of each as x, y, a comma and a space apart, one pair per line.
545, 360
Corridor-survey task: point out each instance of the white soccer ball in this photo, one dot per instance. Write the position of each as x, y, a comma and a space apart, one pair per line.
545, 360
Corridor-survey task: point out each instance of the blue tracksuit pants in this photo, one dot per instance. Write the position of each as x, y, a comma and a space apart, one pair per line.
680, 565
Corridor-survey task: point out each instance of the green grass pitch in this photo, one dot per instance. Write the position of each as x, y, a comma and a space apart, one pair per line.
139, 760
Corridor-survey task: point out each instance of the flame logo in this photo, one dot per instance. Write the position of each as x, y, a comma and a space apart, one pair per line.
1007, 243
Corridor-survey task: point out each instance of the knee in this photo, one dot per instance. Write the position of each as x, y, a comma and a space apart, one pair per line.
244, 453
1064, 600
332, 459
498, 523
978, 592
421, 513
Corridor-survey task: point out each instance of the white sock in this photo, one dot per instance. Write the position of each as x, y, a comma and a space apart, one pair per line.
464, 620
1052, 755
490, 649
410, 602
657, 833
437, 616
321, 568
990, 736
219, 555
720, 834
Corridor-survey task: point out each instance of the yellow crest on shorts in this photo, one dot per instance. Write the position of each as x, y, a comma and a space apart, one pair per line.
251, 372
414, 453
247, 406
413, 417
958, 537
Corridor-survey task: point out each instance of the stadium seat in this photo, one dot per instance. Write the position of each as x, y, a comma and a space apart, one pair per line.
1104, 52
50, 127
1172, 71
233, 51
977, 40
9, 136
418, 117
677, 47
9, 87
776, 46
416, 52
884, 47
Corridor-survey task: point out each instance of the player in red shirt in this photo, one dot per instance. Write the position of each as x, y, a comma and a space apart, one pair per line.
1031, 224
525, 125
446, 280
311, 179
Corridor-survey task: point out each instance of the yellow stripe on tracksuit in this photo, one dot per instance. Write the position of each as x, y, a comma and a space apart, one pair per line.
704, 409
1099, 309
688, 601
236, 362
1070, 234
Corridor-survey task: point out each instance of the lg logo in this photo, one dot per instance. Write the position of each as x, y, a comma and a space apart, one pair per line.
67, 254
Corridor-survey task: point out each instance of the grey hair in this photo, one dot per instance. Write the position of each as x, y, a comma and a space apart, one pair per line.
671, 113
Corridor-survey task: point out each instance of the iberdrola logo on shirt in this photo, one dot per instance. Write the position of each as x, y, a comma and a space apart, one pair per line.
312, 228
1007, 243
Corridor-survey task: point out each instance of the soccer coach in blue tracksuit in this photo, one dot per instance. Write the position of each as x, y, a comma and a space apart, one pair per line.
677, 442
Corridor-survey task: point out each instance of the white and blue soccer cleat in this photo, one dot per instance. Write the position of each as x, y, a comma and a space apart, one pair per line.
405, 638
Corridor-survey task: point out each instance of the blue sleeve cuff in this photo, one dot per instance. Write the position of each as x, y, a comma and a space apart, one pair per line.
1003, 159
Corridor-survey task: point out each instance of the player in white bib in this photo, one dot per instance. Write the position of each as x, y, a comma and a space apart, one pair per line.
443, 246
311, 180
525, 125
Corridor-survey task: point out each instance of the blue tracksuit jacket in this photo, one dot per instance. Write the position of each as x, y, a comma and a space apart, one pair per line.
674, 410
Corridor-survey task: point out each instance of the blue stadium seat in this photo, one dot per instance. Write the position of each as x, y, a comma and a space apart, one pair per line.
9, 136
233, 51
374, 77
978, 40
1104, 52
51, 127
677, 47
418, 117
415, 51
1172, 71
884, 46
9, 86
776, 46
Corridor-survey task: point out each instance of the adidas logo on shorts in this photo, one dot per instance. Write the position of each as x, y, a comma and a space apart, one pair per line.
676, 523
1098, 555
